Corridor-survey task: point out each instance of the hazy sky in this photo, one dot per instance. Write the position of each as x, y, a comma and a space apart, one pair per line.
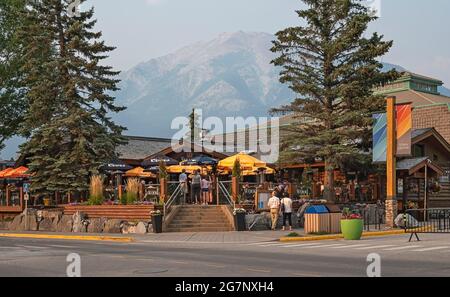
144, 29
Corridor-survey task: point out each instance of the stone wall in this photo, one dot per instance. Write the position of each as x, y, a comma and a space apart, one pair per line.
56, 221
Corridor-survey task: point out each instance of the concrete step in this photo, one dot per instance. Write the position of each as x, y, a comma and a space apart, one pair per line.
200, 225
189, 221
200, 229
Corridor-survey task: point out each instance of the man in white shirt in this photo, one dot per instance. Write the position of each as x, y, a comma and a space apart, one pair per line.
183, 184
274, 205
286, 208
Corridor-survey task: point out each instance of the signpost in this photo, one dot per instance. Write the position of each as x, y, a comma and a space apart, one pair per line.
26, 197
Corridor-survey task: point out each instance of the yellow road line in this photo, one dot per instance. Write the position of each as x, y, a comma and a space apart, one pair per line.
68, 237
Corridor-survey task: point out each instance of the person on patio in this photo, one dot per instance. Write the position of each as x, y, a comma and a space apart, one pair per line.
274, 205
196, 180
183, 184
205, 184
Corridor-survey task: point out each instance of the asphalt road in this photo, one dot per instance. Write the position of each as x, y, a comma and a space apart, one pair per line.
42, 257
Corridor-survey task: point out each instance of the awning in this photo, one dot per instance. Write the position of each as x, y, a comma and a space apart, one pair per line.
3, 172
116, 166
201, 160
20, 172
154, 161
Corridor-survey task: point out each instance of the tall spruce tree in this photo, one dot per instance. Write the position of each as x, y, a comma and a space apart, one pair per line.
333, 68
12, 101
70, 129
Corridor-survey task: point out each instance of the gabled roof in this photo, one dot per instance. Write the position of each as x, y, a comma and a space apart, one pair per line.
419, 135
186, 147
138, 148
415, 164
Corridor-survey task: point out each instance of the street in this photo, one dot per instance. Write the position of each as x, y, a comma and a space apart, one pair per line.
258, 257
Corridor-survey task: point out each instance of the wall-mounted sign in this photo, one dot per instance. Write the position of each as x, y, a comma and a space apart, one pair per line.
404, 129
379, 138
261, 199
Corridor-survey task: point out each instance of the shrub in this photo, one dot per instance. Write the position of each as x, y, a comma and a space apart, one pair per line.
236, 172
96, 196
162, 170
132, 190
293, 234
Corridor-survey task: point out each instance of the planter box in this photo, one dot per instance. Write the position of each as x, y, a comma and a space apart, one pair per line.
239, 222
157, 223
352, 229
323, 223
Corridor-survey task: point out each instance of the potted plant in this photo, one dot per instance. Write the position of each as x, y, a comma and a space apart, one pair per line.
156, 221
352, 225
239, 219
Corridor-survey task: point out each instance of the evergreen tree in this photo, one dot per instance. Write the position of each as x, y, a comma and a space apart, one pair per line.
69, 125
12, 101
332, 68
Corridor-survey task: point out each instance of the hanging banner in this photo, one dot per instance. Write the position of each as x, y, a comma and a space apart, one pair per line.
379, 138
404, 129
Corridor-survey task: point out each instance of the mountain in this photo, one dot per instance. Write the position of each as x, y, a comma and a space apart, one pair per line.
444, 91
227, 76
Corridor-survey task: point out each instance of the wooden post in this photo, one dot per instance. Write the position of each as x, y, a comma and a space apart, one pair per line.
391, 197
163, 190
21, 197
234, 188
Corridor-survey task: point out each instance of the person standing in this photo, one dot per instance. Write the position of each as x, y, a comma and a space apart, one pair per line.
274, 205
196, 181
182, 179
286, 210
205, 190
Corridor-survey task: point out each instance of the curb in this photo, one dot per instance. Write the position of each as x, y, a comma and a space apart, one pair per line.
68, 237
340, 236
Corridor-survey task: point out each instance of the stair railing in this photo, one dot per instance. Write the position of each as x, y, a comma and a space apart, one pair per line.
227, 195
168, 204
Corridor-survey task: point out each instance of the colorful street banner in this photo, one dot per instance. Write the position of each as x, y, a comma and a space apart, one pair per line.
379, 138
404, 129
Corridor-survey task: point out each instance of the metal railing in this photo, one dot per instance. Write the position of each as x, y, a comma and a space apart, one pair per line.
433, 220
224, 191
374, 217
173, 197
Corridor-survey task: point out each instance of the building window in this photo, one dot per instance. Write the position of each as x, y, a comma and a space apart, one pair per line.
419, 150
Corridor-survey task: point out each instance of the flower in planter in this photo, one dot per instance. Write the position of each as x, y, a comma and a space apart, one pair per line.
239, 210
155, 213
347, 214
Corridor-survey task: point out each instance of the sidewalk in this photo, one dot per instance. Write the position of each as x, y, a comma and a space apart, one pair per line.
195, 237
198, 237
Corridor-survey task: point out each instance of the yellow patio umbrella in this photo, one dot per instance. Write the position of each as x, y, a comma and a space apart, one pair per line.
254, 171
176, 169
247, 162
139, 172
